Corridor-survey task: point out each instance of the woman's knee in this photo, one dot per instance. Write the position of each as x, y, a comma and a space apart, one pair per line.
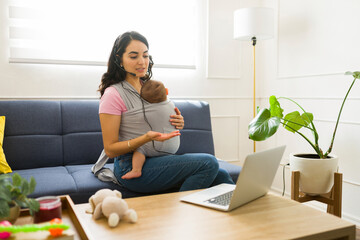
210, 161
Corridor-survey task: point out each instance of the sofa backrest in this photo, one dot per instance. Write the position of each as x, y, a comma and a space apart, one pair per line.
42, 133
196, 137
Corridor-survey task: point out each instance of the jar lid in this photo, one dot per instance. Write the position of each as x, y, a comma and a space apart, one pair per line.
48, 201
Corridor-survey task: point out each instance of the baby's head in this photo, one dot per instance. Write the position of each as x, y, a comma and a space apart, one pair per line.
153, 91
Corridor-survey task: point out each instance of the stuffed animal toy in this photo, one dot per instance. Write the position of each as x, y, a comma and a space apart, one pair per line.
110, 204
100, 195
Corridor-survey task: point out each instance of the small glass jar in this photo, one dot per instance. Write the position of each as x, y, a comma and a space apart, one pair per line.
50, 208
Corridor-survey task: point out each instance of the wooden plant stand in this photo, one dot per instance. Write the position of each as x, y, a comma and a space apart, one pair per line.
332, 199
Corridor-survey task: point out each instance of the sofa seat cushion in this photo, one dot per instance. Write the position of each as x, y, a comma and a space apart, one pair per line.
50, 181
86, 180
87, 184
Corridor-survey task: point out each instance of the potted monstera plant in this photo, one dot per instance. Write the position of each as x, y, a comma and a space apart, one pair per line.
316, 169
14, 191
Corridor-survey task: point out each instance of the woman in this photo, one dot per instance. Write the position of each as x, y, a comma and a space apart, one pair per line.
129, 66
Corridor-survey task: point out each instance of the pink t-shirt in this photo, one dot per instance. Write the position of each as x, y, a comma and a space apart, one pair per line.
111, 102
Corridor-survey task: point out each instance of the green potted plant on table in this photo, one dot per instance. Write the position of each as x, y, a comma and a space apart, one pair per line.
14, 190
316, 170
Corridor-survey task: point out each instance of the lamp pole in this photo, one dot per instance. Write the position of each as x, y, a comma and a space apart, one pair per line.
254, 23
253, 39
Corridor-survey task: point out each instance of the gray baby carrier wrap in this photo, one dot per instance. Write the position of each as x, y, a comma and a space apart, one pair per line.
135, 123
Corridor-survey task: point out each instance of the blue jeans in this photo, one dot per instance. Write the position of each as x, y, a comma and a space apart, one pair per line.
188, 171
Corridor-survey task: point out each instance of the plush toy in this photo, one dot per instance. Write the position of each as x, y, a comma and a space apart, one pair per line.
110, 204
99, 197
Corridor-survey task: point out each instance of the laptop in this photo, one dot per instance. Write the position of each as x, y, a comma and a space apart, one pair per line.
254, 181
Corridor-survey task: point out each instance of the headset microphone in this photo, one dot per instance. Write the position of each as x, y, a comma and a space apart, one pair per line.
121, 67
133, 74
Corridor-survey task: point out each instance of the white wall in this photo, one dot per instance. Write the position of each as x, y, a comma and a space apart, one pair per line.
316, 44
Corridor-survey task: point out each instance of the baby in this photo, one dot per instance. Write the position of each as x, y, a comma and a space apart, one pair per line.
154, 92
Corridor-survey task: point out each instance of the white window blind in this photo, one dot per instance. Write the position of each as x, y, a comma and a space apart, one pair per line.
83, 31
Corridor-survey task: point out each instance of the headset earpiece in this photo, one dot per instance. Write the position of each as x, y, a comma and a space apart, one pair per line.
151, 62
117, 59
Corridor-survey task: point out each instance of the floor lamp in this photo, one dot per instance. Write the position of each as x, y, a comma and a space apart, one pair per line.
252, 24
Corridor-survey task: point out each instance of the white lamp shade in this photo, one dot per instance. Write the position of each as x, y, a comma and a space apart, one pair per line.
254, 22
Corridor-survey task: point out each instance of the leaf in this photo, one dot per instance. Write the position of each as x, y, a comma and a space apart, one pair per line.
275, 109
14, 191
308, 118
16, 179
263, 126
32, 185
4, 209
4, 176
21, 203
356, 74
33, 205
25, 187
5, 194
294, 122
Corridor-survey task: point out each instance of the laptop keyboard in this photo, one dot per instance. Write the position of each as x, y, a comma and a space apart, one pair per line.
223, 199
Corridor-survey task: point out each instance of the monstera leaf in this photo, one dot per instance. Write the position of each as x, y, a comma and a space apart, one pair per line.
294, 121
263, 125
275, 109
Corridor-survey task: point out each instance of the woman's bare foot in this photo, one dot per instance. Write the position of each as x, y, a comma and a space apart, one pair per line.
132, 174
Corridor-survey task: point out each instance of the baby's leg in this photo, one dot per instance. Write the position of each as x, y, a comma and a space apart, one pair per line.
138, 160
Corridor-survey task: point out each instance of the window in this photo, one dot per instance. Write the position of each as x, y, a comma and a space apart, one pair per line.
83, 31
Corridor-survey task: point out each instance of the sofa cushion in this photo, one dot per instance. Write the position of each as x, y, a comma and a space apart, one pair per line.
32, 134
80, 116
33, 151
81, 132
31, 117
86, 180
196, 141
87, 184
196, 137
197, 111
50, 181
82, 148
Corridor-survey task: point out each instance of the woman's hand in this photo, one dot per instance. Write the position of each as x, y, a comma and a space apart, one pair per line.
157, 136
177, 120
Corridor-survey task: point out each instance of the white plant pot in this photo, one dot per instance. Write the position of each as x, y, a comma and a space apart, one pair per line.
316, 175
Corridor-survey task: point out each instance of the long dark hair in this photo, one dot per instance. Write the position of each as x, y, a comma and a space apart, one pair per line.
115, 73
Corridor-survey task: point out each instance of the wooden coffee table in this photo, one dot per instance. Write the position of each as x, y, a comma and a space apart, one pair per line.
270, 217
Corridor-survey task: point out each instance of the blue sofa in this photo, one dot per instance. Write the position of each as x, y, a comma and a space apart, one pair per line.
58, 142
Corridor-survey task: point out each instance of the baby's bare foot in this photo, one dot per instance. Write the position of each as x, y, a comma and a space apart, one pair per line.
132, 174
